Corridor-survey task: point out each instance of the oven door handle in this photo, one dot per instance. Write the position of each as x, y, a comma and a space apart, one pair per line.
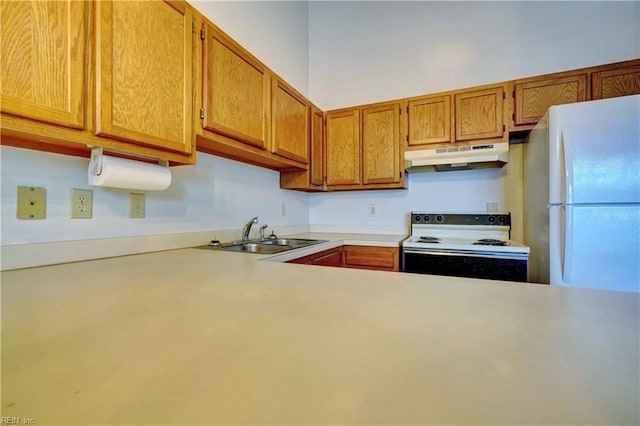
468, 253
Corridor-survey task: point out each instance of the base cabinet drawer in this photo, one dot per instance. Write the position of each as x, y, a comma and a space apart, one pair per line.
369, 257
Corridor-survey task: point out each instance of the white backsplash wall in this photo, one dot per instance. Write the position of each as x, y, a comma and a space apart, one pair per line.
215, 194
371, 51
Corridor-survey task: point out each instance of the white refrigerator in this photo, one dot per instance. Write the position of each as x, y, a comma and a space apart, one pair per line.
582, 195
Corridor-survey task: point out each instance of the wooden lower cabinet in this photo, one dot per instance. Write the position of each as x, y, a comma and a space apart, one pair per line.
358, 257
331, 257
370, 257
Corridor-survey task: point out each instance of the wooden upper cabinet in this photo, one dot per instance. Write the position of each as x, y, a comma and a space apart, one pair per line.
43, 74
316, 177
290, 126
235, 91
342, 161
381, 133
144, 73
429, 120
479, 114
534, 96
615, 82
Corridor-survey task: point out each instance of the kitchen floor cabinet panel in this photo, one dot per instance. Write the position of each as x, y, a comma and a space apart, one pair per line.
371, 257
330, 257
44, 60
144, 76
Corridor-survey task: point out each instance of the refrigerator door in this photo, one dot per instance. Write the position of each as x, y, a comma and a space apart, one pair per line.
594, 152
595, 246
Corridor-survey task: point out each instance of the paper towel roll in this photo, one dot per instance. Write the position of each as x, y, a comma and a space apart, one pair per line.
118, 172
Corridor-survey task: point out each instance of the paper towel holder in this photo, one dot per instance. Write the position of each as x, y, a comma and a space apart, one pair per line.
97, 152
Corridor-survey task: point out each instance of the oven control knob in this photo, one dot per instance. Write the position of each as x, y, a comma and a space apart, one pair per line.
417, 218
492, 219
439, 218
501, 219
426, 218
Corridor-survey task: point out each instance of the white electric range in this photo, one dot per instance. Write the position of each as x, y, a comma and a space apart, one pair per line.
475, 245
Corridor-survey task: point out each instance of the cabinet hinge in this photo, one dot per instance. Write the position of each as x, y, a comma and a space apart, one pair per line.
504, 128
513, 94
193, 141
504, 95
193, 26
400, 111
407, 110
407, 138
202, 34
202, 113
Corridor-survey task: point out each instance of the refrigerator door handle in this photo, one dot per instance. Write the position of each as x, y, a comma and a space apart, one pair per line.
567, 249
567, 163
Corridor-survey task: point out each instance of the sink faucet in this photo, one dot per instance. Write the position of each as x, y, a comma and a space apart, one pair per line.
262, 228
247, 228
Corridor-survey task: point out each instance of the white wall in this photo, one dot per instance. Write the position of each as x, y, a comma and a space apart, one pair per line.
214, 195
364, 51
275, 32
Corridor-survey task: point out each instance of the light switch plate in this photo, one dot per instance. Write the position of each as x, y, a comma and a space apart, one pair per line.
32, 203
136, 205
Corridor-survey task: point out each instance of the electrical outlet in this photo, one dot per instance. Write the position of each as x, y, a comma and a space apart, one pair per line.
81, 204
372, 210
136, 205
283, 209
32, 203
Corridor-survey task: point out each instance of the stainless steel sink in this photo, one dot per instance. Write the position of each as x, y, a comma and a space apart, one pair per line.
292, 242
268, 246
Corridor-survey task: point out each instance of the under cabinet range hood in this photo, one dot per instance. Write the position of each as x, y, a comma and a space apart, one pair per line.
457, 158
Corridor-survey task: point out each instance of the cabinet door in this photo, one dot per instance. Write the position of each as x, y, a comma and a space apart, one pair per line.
429, 120
144, 79
235, 90
479, 114
290, 124
534, 97
381, 144
329, 258
44, 61
615, 82
343, 148
317, 149
370, 257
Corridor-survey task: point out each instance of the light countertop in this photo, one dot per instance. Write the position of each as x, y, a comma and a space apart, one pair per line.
206, 337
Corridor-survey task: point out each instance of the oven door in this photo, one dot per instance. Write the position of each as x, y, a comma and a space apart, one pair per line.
492, 266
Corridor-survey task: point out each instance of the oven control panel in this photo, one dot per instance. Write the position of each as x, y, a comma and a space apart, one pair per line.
497, 219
